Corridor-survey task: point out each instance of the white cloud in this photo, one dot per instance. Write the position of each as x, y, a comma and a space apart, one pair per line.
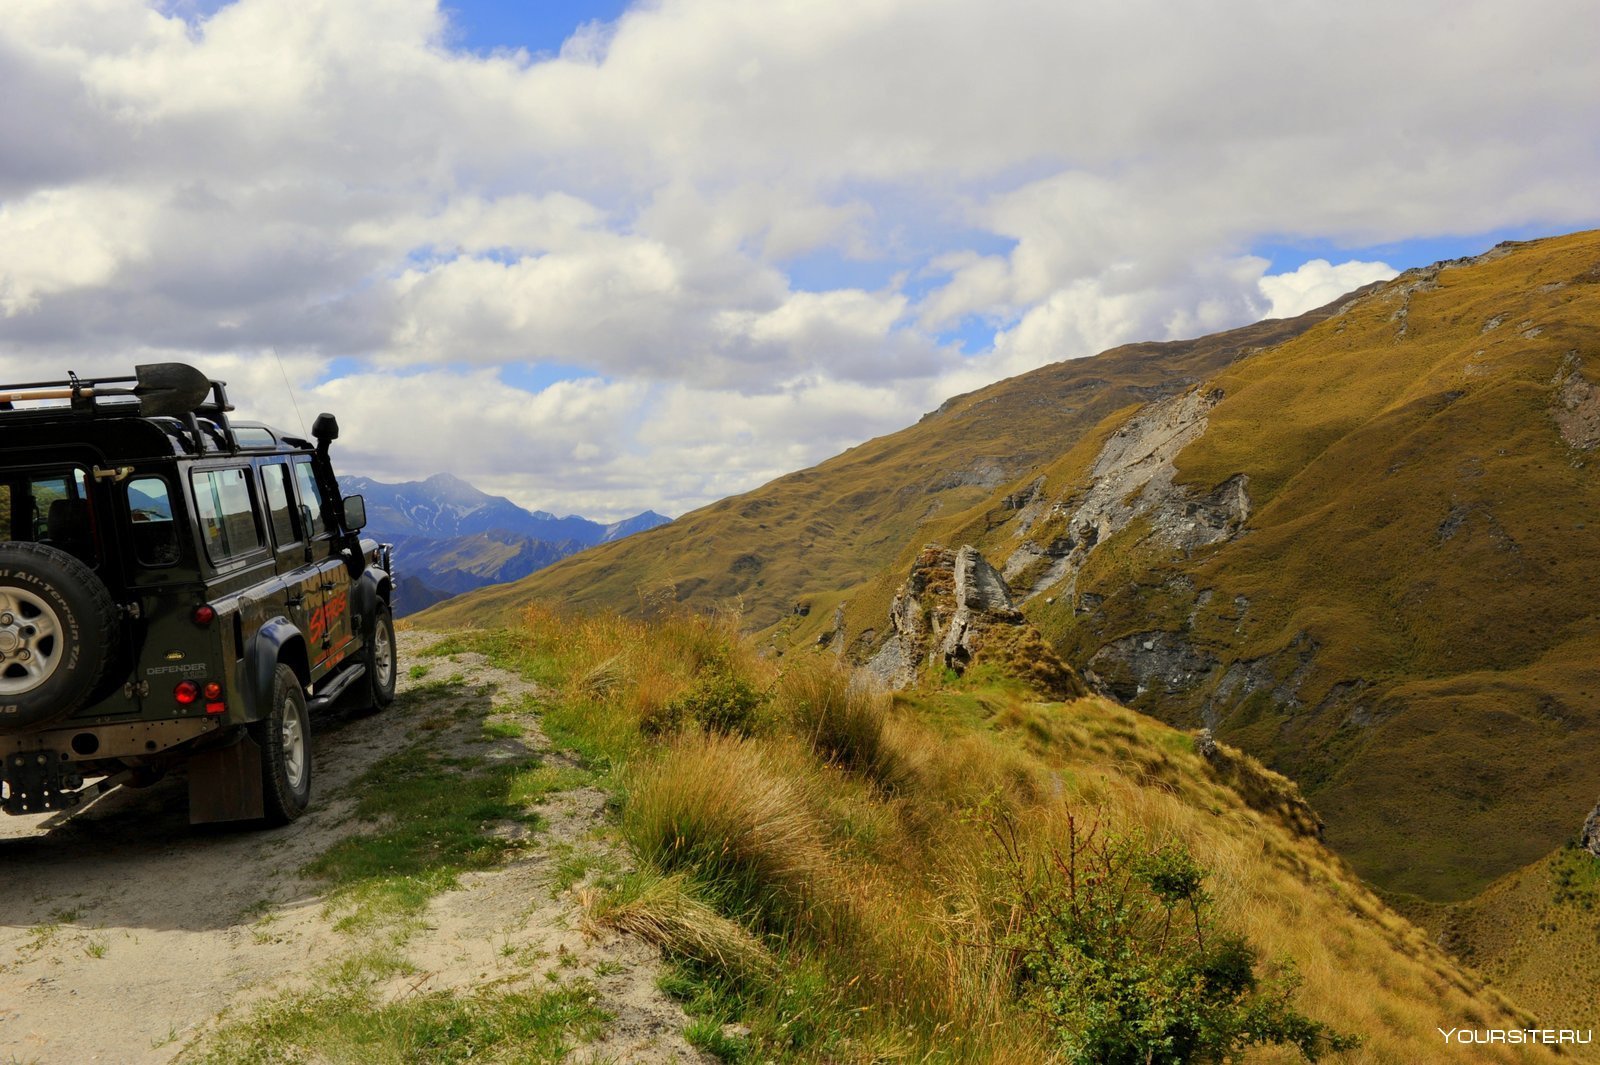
327, 180
1318, 282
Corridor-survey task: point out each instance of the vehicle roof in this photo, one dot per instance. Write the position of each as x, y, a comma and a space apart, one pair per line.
140, 439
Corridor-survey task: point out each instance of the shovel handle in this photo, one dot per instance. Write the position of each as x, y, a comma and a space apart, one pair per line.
43, 393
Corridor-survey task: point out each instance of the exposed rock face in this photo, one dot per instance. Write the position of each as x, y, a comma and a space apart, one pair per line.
1589, 840
1163, 662
1577, 406
954, 609
1132, 478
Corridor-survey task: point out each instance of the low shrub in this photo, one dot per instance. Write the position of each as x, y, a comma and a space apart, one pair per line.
1118, 951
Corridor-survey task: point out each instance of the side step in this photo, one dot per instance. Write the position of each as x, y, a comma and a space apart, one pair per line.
340, 685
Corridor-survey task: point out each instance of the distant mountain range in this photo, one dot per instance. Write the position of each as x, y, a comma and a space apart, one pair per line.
451, 537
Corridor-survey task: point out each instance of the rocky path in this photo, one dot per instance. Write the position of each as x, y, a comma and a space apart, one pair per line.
125, 934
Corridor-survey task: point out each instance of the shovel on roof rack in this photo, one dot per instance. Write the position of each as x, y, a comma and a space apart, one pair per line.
164, 389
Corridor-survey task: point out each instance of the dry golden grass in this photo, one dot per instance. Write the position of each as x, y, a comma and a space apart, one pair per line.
882, 903
660, 910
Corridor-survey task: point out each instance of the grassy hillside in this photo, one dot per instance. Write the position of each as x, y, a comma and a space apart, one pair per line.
1535, 933
1369, 554
1405, 624
807, 539
842, 876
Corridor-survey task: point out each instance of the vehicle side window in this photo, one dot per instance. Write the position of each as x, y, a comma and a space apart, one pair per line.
155, 536
310, 498
280, 503
62, 516
226, 515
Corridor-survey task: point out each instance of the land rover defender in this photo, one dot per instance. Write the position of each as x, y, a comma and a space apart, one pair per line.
177, 590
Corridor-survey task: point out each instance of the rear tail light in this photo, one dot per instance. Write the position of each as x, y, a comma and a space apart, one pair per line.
204, 614
216, 708
187, 693
213, 692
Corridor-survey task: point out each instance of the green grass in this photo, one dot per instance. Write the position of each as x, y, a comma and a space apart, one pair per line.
432, 834
346, 1024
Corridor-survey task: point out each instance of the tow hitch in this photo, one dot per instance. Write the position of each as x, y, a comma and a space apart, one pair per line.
37, 781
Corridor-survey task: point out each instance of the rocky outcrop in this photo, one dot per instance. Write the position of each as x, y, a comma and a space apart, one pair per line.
1589, 838
1133, 478
1165, 663
954, 610
1577, 405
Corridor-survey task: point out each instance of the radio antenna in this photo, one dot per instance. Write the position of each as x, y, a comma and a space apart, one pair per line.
292, 399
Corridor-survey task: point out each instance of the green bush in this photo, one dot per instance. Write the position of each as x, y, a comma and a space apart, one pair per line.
1117, 950
720, 701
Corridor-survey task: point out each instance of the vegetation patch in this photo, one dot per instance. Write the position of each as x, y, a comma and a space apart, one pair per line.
345, 1023
826, 878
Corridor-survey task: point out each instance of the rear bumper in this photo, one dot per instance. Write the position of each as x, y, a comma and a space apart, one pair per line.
91, 743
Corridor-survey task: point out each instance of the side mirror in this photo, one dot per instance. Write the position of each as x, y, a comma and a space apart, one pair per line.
355, 513
325, 429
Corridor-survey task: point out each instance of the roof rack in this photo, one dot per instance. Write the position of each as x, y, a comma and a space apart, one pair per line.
157, 390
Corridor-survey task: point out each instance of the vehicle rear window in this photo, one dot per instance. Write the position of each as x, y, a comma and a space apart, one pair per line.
155, 536
226, 514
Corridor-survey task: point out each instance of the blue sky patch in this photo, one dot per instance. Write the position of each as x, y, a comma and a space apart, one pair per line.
1290, 253
540, 26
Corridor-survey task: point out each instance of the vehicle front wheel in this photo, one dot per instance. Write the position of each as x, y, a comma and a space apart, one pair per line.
285, 741
382, 659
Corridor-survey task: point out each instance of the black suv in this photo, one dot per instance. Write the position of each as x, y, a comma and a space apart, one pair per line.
176, 588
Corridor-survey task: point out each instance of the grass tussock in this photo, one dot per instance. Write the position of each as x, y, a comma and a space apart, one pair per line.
827, 875
732, 812
664, 910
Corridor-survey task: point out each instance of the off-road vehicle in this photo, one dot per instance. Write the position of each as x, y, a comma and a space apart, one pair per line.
177, 589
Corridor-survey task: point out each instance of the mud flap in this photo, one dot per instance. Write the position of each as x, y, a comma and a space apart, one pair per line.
225, 784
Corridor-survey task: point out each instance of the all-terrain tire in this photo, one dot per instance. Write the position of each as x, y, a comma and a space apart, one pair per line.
58, 626
285, 740
382, 659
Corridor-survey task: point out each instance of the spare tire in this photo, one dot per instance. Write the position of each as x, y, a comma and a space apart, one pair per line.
58, 626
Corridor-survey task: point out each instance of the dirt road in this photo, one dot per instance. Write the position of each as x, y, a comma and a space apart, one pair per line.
125, 933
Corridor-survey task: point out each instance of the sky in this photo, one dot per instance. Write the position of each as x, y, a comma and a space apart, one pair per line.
602, 257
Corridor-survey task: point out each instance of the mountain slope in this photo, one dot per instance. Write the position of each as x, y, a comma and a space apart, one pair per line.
807, 538
1367, 554
1361, 545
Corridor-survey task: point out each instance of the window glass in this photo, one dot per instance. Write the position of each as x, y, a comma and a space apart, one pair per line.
62, 516
48, 489
280, 503
227, 518
155, 536
310, 498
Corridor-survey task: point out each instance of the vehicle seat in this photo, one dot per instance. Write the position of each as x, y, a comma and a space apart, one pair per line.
71, 529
